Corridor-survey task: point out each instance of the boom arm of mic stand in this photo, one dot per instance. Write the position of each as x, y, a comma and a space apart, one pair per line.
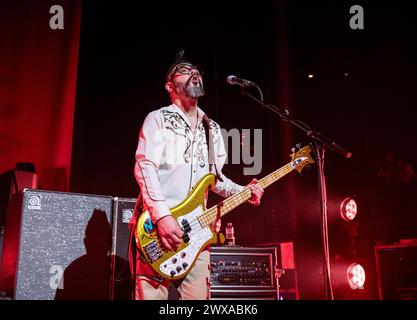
328, 143
285, 116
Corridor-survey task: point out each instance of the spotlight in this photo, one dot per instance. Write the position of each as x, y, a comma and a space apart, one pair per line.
348, 278
348, 209
356, 276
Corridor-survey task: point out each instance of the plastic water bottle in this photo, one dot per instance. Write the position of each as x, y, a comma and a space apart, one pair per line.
230, 234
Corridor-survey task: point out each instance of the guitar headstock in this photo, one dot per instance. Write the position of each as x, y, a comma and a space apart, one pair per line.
301, 158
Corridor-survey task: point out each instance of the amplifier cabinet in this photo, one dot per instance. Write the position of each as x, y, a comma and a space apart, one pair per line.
121, 283
56, 246
397, 271
243, 272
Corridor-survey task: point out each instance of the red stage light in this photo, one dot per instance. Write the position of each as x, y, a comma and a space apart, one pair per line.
348, 209
356, 276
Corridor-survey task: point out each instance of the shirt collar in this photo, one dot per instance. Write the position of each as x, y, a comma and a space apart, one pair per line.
200, 113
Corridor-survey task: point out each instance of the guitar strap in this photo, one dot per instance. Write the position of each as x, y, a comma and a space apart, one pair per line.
210, 146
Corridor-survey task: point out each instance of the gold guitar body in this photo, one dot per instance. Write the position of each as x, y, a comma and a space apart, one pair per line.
176, 264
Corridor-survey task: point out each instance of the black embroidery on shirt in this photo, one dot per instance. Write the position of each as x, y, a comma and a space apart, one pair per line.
174, 122
201, 145
187, 152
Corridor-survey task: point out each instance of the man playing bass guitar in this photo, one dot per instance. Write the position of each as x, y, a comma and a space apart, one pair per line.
171, 157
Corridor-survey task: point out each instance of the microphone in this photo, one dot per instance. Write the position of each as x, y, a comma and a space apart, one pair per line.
240, 82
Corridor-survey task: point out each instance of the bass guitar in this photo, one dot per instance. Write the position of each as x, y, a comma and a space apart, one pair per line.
195, 221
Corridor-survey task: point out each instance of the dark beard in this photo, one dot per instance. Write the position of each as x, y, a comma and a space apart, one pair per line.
193, 91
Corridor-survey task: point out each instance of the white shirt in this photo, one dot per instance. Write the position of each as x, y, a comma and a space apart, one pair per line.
171, 158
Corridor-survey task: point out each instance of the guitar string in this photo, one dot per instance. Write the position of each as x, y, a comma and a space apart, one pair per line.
234, 201
195, 222
231, 203
208, 217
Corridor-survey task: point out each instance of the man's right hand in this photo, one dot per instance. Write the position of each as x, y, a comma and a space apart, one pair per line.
170, 232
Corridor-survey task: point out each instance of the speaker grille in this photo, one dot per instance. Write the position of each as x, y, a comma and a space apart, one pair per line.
63, 245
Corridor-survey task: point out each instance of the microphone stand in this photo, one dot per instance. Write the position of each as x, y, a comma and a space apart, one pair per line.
321, 143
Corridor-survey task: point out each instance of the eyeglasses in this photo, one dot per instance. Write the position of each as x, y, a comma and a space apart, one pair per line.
187, 70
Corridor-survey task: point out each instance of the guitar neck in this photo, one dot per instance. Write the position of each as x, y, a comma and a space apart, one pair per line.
219, 210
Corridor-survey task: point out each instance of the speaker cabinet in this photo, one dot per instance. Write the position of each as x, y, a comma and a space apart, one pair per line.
56, 246
397, 271
121, 283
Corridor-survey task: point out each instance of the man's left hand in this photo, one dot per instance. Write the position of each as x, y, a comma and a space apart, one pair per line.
257, 192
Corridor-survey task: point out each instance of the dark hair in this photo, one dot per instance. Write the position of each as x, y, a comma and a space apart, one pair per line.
179, 60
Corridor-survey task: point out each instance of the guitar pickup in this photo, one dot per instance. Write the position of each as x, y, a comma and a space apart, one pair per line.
185, 226
185, 238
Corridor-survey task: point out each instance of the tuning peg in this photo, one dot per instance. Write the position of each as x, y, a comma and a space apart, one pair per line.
296, 148
292, 154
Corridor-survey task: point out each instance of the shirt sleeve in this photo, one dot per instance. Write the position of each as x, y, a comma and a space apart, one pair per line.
227, 187
149, 154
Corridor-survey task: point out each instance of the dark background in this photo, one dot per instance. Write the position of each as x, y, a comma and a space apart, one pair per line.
362, 96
